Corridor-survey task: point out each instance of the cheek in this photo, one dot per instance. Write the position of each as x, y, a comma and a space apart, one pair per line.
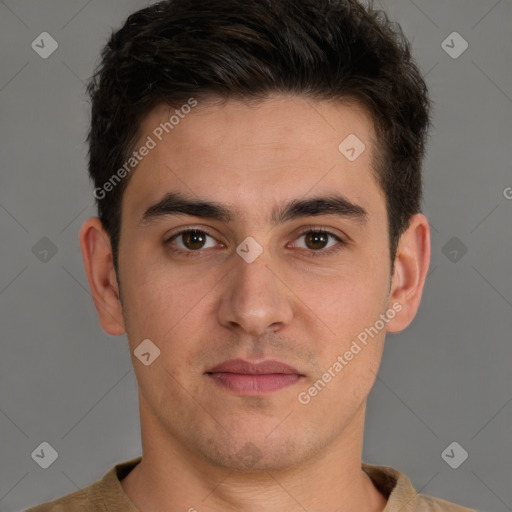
156, 294
162, 309
350, 300
350, 305
350, 358
175, 311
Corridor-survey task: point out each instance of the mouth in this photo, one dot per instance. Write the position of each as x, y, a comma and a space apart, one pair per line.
250, 378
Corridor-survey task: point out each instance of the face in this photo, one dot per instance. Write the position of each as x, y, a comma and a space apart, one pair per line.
287, 262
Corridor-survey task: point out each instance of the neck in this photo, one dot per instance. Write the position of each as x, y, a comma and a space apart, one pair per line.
169, 477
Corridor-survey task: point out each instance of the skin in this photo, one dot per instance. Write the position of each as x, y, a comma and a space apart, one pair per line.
287, 305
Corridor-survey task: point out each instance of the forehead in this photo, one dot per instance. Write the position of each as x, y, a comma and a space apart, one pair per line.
249, 154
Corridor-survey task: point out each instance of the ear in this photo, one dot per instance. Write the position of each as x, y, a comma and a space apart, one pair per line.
411, 265
99, 267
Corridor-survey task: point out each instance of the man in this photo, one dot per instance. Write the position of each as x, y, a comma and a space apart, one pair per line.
257, 168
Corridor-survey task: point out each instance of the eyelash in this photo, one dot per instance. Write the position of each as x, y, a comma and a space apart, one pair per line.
313, 253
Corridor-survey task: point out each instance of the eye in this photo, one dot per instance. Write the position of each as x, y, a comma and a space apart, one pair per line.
192, 240
317, 240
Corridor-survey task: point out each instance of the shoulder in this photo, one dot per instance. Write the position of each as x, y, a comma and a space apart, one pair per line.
77, 501
431, 504
105, 494
401, 494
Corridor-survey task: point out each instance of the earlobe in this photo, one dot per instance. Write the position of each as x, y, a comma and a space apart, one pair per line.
99, 267
411, 266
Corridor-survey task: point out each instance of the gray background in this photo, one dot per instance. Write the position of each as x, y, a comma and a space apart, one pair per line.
446, 378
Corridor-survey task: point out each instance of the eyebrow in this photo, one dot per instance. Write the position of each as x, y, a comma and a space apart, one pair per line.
175, 204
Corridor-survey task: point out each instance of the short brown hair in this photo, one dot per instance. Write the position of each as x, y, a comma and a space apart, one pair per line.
320, 49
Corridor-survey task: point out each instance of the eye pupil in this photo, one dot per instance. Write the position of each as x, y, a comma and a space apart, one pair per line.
316, 240
194, 239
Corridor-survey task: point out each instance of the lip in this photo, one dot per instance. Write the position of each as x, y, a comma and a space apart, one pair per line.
254, 378
241, 366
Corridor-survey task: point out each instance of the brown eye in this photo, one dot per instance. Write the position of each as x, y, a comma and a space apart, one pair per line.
319, 242
316, 240
192, 240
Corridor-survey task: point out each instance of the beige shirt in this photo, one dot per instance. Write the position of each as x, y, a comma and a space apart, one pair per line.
107, 495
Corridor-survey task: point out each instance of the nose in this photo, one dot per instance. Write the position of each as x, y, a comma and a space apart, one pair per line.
255, 298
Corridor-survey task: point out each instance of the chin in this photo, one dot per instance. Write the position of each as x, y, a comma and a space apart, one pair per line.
256, 455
